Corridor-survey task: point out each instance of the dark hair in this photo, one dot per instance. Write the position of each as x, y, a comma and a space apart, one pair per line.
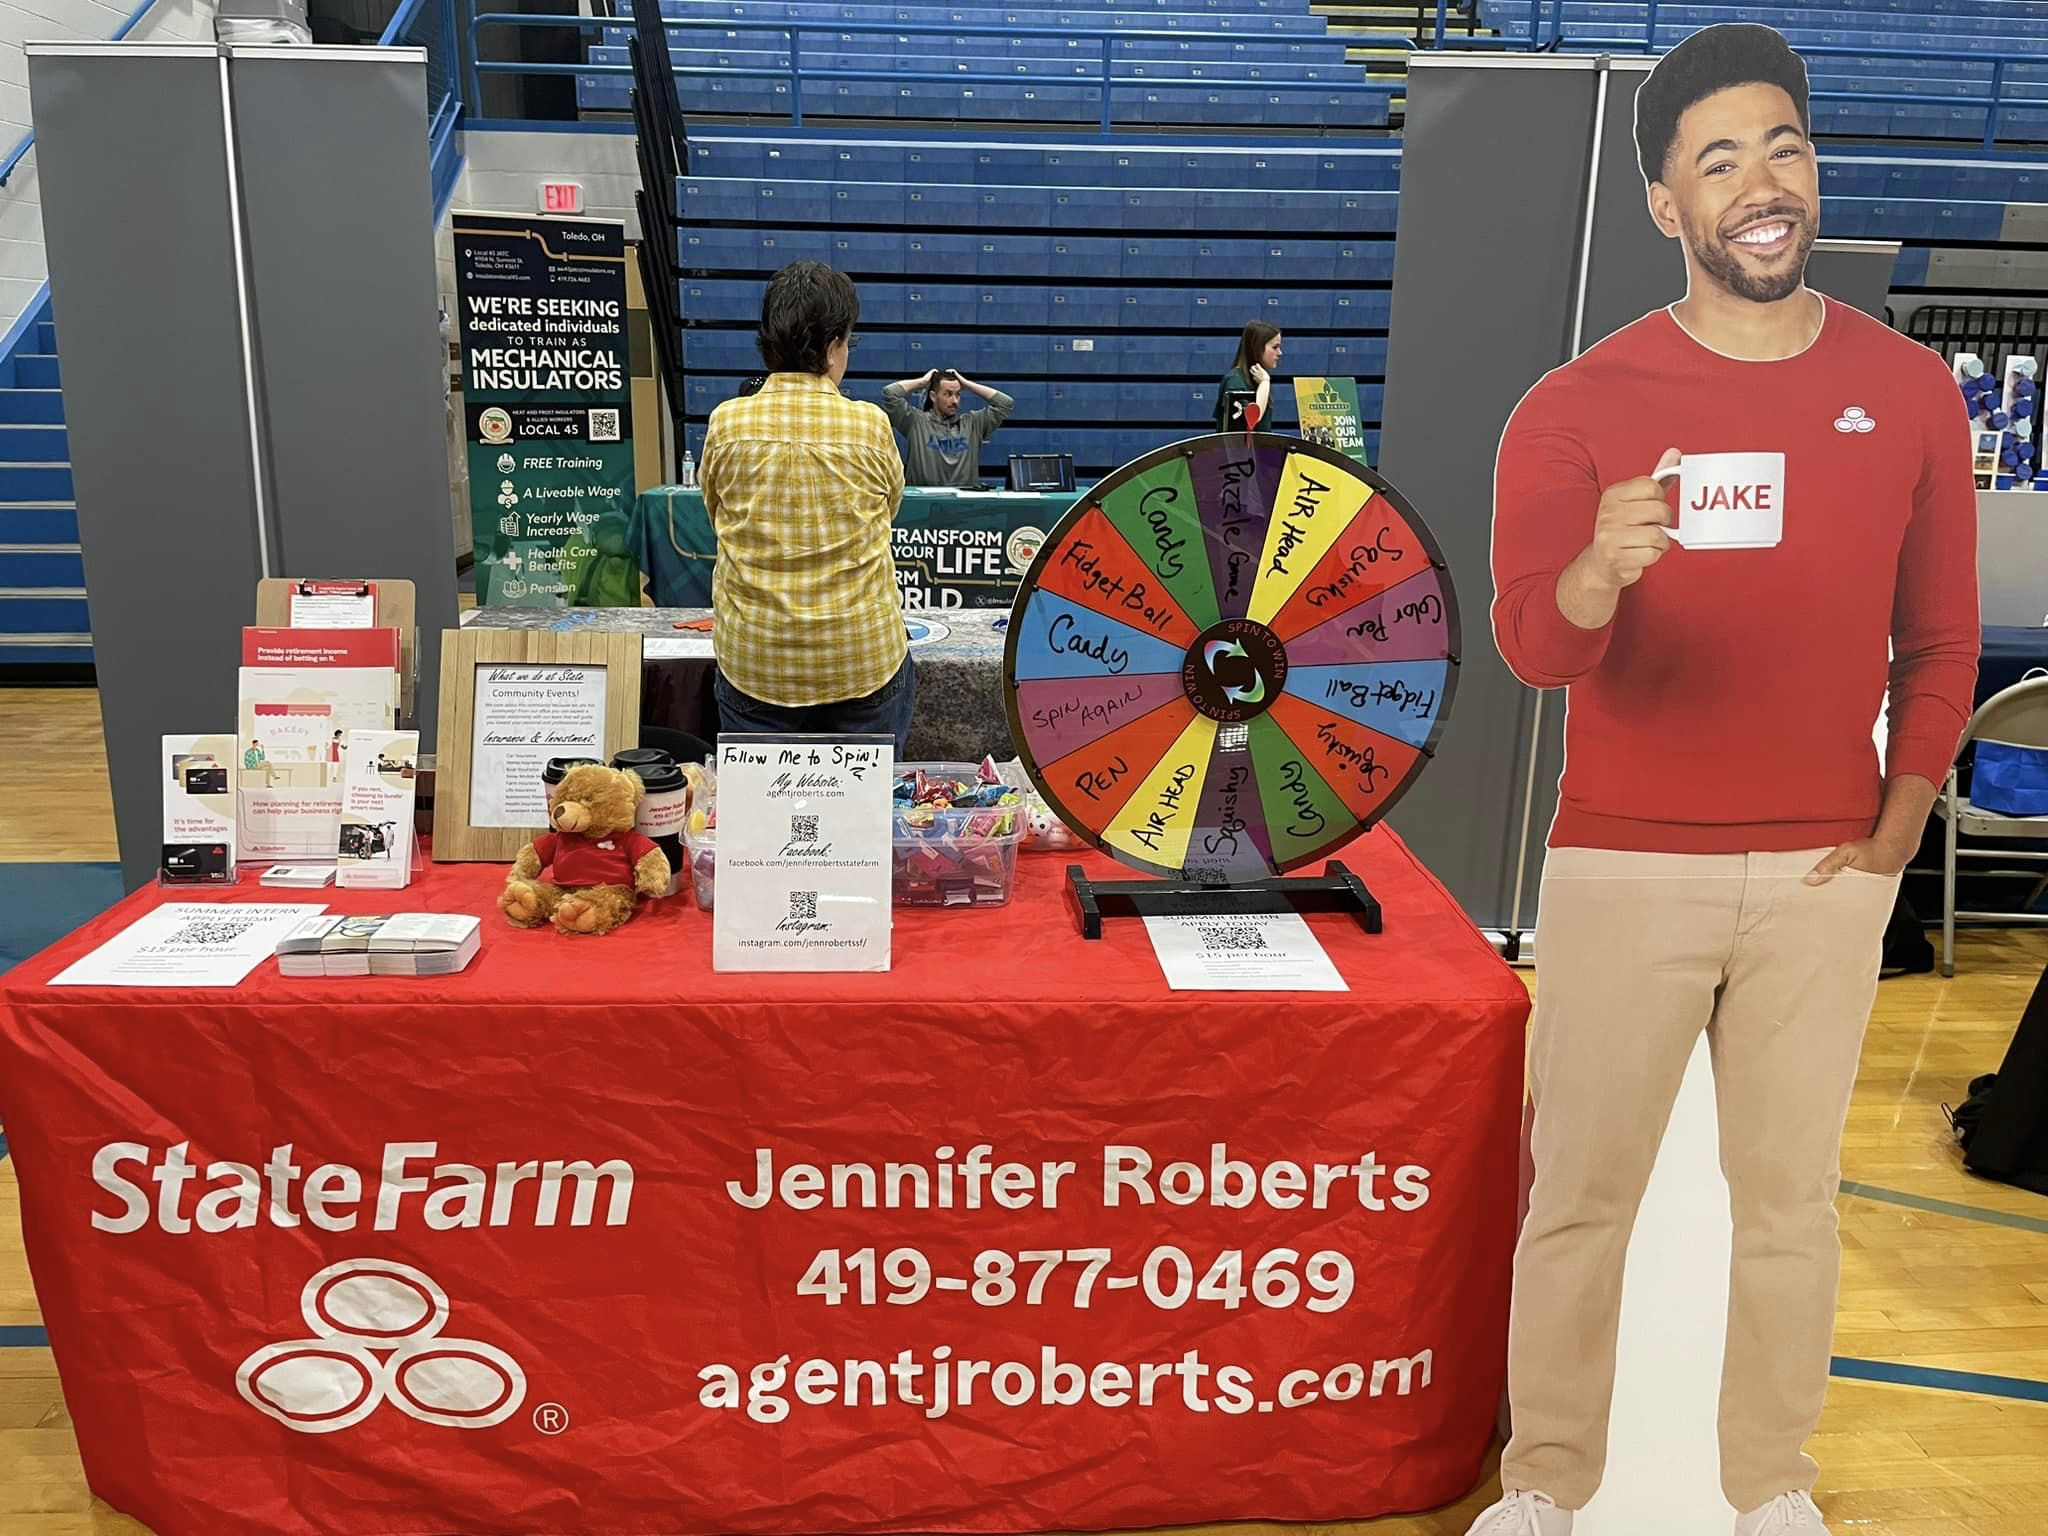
1251, 347
1712, 60
939, 376
808, 306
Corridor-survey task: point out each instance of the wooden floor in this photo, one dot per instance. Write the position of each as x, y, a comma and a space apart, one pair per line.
1923, 1289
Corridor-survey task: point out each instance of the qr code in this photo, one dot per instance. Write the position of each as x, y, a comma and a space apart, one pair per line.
1231, 936
206, 932
604, 426
803, 829
804, 904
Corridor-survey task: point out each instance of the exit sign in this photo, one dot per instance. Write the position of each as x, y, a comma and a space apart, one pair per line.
561, 197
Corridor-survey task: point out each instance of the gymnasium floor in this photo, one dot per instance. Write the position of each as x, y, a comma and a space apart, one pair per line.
1937, 1420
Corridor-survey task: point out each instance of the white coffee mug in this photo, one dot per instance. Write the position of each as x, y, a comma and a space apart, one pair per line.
1729, 500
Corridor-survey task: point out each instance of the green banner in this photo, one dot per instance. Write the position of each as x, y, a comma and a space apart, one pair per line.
966, 551
1329, 414
547, 401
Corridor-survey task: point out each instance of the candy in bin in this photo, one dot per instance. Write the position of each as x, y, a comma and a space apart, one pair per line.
956, 830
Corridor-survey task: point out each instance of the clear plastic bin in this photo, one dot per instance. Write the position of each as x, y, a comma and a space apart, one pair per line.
700, 858
964, 857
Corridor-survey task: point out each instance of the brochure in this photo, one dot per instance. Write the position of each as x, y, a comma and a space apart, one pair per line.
290, 727
199, 810
380, 779
404, 944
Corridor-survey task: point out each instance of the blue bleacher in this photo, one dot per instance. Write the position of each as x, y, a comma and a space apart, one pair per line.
1108, 310
1212, 81
1102, 282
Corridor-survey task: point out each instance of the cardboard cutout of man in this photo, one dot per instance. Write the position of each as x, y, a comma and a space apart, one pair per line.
1727, 843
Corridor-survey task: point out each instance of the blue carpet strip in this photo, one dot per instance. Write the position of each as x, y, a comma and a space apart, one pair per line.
1947, 1208
24, 1337
2019, 1388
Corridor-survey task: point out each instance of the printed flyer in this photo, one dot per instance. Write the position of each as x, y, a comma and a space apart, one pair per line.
380, 779
547, 404
523, 716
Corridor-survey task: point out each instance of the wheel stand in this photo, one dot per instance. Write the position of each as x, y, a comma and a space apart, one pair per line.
1335, 890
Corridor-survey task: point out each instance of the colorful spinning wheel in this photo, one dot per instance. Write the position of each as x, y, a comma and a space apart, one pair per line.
1231, 657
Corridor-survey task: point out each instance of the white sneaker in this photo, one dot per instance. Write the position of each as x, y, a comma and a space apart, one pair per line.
1523, 1514
1789, 1514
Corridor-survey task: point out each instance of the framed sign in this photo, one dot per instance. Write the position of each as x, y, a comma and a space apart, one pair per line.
510, 700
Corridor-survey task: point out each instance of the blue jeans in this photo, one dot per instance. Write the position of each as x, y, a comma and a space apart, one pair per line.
885, 712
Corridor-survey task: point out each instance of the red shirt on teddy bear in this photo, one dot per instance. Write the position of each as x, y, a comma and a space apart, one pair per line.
580, 861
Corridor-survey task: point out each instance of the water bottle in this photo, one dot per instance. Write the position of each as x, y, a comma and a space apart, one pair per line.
688, 471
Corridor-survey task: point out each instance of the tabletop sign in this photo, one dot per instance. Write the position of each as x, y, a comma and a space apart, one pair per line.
803, 853
1329, 414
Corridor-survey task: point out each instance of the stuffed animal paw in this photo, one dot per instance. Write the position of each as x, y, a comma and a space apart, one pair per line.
524, 903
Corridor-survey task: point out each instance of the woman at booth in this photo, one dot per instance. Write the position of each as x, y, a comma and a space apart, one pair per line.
1251, 373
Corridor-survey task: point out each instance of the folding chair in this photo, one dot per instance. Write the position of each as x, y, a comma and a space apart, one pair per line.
2016, 716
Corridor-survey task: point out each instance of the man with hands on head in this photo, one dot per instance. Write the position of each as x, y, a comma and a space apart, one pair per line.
1727, 845
941, 444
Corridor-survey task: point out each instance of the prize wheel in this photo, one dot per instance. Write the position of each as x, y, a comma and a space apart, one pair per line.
1231, 657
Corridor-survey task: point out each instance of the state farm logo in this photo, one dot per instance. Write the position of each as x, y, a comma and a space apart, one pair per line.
377, 1337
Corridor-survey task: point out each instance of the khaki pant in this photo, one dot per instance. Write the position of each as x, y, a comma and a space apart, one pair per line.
1636, 953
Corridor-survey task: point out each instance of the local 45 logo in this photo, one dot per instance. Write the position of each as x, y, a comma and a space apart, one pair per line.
377, 1338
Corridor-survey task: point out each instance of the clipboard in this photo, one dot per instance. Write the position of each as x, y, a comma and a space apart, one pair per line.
397, 608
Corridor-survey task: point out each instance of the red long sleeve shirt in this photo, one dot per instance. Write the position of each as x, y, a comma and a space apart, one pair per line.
1729, 706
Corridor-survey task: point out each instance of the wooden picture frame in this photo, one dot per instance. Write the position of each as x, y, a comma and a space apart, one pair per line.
465, 650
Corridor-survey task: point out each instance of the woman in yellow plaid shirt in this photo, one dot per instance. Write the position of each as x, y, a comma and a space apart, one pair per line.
802, 485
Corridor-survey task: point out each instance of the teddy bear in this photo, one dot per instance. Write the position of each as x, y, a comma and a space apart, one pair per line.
598, 861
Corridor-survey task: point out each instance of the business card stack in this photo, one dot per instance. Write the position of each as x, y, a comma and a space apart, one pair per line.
404, 944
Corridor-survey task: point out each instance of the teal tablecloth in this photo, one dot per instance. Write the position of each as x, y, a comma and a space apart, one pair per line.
952, 550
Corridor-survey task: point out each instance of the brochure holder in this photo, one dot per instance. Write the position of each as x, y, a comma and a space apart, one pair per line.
397, 608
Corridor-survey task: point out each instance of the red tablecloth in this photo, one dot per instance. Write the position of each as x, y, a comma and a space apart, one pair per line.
483, 1253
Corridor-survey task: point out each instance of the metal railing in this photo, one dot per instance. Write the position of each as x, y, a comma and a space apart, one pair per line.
1110, 75
28, 140
430, 25
1106, 80
1547, 16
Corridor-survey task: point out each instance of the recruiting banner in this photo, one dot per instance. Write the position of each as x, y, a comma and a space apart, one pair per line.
966, 552
547, 403
1329, 414
1007, 1239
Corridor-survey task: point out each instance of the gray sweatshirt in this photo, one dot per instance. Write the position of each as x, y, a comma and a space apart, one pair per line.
939, 452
